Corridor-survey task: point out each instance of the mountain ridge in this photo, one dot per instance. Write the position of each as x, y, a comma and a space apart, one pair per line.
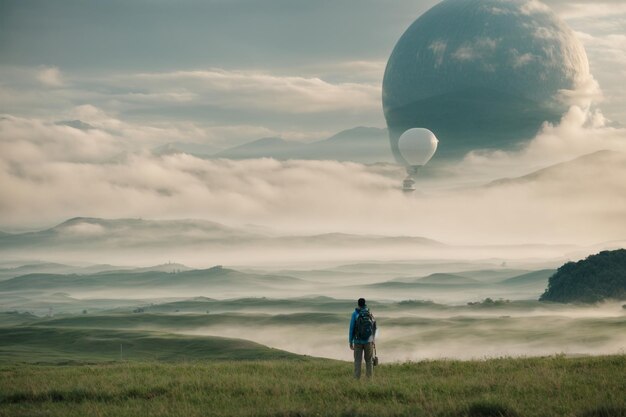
603, 157
359, 144
89, 230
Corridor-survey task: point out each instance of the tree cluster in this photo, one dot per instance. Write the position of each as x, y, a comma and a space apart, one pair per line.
596, 278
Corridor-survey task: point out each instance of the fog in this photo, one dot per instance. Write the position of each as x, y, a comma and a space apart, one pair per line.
307, 311
453, 334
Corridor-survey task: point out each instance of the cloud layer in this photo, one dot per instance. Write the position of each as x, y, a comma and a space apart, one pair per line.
50, 172
75, 139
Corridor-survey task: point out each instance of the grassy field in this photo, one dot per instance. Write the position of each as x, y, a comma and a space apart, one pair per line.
63, 345
553, 386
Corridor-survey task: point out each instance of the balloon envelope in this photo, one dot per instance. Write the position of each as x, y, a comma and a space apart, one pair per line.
417, 146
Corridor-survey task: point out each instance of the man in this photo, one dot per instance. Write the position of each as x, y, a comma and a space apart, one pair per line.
361, 338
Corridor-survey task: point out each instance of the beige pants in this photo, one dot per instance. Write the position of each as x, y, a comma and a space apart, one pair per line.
359, 350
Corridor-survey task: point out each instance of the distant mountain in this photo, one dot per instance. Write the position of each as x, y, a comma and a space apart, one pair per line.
165, 238
168, 267
96, 269
531, 278
265, 148
491, 275
439, 279
56, 268
447, 279
357, 240
191, 281
596, 278
360, 144
581, 167
94, 232
45, 267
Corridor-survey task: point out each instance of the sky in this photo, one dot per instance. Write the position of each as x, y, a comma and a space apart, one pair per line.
139, 74
226, 72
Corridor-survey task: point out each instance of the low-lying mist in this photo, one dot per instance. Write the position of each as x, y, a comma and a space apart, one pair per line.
484, 310
405, 333
455, 338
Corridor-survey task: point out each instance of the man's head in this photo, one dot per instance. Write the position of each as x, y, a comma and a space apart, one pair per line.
361, 302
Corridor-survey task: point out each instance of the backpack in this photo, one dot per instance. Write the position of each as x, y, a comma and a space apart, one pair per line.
364, 325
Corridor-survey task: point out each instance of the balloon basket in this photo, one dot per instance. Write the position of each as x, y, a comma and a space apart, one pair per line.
408, 185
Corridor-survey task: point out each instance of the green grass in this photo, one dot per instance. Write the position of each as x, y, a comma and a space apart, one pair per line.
555, 386
61, 345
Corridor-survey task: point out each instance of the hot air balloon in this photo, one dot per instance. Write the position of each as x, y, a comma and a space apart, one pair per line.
416, 147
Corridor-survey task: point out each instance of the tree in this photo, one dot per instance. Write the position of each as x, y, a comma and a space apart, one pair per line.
596, 278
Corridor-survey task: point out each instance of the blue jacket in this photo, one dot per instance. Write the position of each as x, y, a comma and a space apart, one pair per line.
351, 338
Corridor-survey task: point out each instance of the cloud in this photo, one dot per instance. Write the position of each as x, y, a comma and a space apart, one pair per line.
218, 107
531, 7
607, 56
50, 77
580, 132
359, 71
247, 89
439, 49
585, 93
475, 50
520, 60
72, 172
573, 10
496, 10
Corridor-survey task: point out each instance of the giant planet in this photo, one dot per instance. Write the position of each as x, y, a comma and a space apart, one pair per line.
481, 74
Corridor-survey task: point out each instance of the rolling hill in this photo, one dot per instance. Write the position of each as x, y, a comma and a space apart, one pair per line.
50, 344
439, 279
81, 231
203, 279
132, 241
56, 268
532, 278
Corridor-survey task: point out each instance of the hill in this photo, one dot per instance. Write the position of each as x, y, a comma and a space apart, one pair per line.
360, 144
596, 278
276, 148
440, 279
127, 241
115, 233
146, 282
50, 344
491, 275
584, 167
33, 268
437, 280
531, 278
56, 268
